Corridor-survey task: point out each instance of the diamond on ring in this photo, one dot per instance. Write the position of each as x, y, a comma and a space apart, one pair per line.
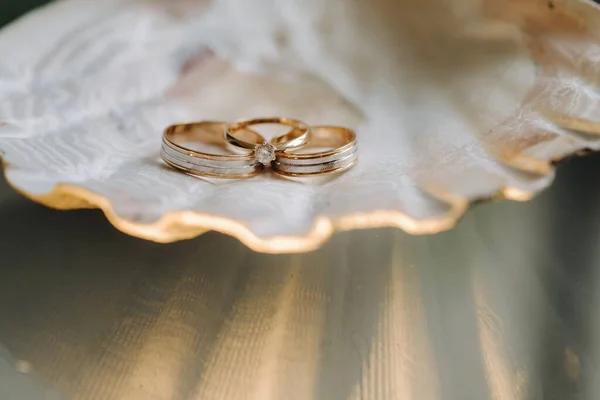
264, 153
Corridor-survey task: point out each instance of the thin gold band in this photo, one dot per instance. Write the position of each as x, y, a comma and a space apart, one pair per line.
292, 139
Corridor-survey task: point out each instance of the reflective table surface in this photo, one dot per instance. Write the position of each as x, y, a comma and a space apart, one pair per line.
504, 306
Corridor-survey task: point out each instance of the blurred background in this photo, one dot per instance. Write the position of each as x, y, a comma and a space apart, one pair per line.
504, 306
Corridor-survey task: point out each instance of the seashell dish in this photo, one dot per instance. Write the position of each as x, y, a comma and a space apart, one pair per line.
444, 116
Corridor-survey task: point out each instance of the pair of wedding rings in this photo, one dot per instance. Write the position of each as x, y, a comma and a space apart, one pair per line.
302, 151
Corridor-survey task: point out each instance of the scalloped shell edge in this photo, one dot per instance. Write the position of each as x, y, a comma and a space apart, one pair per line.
180, 225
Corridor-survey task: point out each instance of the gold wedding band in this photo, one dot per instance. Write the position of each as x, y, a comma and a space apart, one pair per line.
301, 152
340, 154
194, 162
265, 152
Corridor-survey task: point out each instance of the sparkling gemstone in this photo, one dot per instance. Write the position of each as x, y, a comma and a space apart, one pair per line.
264, 153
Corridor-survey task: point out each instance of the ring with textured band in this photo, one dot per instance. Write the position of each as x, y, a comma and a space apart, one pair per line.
265, 152
176, 153
334, 150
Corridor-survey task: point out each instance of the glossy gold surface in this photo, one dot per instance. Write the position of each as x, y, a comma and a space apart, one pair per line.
329, 149
296, 137
180, 138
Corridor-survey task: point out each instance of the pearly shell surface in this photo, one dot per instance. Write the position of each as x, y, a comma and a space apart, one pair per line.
444, 116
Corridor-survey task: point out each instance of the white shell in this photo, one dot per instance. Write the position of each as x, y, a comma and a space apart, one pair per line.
447, 112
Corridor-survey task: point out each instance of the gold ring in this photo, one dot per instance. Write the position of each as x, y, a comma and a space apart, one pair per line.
195, 162
341, 155
265, 151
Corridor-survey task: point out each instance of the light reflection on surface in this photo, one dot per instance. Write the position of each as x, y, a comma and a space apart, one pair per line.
501, 307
